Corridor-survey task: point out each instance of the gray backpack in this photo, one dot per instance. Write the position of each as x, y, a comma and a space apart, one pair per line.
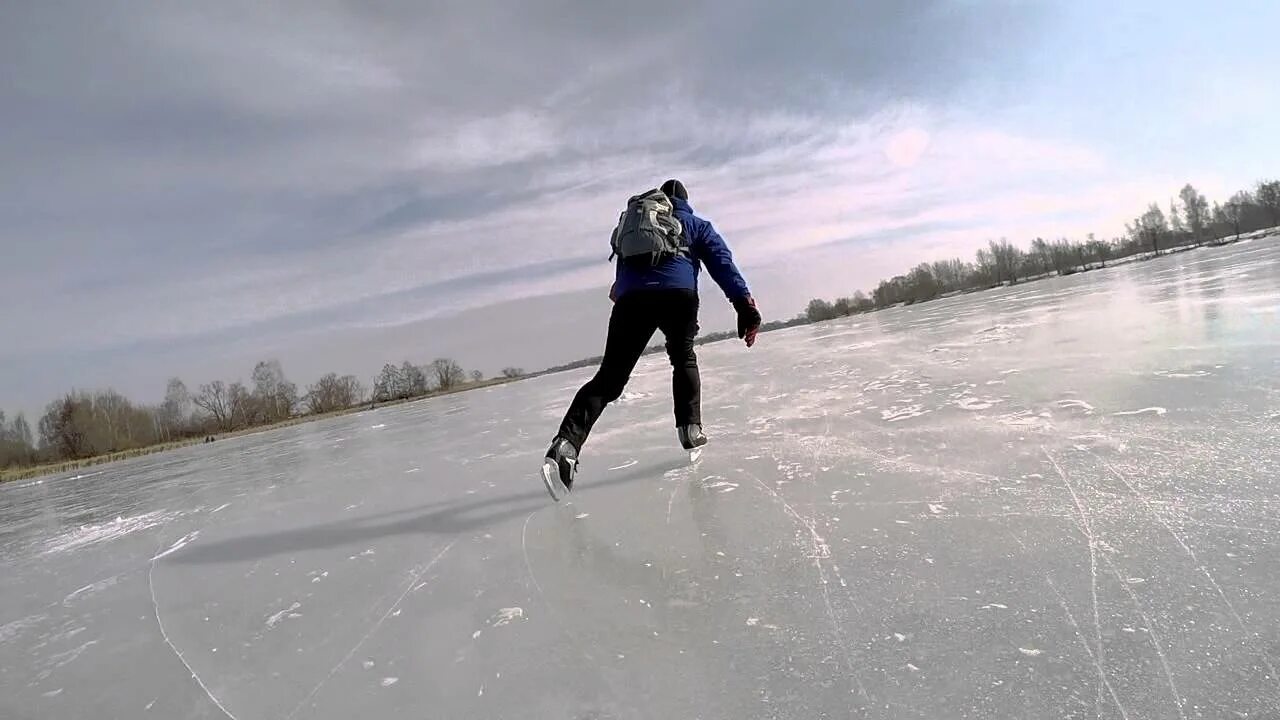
648, 231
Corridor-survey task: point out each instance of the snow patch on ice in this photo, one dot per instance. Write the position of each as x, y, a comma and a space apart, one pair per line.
973, 403
86, 535
183, 542
1192, 374
289, 612
898, 414
1074, 405
11, 629
1026, 419
389, 681
90, 589
58, 660
718, 484
506, 616
1158, 411
1030, 652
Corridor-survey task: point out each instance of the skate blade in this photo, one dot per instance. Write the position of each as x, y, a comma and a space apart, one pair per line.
695, 455
551, 480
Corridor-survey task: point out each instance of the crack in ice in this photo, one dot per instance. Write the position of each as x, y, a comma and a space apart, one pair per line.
155, 605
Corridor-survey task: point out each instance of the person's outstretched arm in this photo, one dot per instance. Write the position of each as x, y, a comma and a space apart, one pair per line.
713, 252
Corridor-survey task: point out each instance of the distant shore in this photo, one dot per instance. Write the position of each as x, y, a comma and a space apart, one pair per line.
35, 471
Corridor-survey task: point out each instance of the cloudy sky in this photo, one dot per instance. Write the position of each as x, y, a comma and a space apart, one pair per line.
186, 188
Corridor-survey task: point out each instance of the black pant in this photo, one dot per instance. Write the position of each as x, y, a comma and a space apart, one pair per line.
635, 317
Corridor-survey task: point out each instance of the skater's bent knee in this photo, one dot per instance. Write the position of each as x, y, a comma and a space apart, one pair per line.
608, 388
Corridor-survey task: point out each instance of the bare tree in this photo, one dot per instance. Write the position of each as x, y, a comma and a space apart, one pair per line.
512, 372
1101, 250
65, 426
819, 310
331, 393
214, 399
922, 284
1196, 209
413, 381
1233, 212
175, 409
244, 409
1007, 259
1267, 195
387, 385
1176, 226
16, 446
1151, 227
951, 275
446, 373
20, 431
477, 376
275, 396
1043, 254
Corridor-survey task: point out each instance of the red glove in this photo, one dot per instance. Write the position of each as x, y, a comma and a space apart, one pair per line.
748, 319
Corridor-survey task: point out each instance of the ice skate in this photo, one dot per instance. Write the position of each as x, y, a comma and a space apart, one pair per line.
559, 467
693, 440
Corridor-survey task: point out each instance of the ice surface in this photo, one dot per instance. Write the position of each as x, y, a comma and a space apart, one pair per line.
1054, 500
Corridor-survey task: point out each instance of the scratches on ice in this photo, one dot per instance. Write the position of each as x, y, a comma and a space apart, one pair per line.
552, 610
818, 550
1155, 641
1086, 528
671, 501
1071, 618
1145, 501
417, 576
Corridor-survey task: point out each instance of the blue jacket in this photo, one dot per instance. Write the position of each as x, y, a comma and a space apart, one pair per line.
706, 247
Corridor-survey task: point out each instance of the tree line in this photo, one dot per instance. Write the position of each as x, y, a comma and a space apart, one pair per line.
1190, 221
83, 424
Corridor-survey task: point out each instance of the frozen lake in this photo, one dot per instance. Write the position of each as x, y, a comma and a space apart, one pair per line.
1055, 500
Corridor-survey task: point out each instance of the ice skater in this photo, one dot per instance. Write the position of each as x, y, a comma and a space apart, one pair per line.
660, 246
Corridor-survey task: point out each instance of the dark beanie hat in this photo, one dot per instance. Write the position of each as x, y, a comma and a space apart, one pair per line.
675, 189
